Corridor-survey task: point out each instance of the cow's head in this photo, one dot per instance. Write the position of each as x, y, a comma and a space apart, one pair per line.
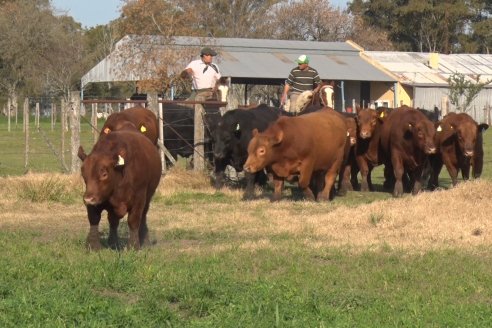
367, 120
466, 131
227, 135
423, 133
261, 148
100, 172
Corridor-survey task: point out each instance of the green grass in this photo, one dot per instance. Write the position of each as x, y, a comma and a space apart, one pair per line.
44, 147
48, 279
59, 284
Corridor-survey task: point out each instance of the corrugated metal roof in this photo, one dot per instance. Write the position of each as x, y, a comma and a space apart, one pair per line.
257, 59
412, 67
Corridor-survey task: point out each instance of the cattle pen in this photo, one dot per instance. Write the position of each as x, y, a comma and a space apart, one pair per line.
39, 138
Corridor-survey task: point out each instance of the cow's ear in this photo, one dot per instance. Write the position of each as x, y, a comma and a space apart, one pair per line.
278, 137
255, 132
81, 154
120, 158
482, 127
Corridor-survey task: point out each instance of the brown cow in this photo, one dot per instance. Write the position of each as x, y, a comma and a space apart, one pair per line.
300, 145
407, 138
121, 175
367, 149
460, 145
137, 118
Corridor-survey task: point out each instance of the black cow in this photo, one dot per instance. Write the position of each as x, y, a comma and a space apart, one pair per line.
231, 138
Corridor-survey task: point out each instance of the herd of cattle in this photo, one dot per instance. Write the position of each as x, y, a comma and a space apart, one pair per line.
313, 148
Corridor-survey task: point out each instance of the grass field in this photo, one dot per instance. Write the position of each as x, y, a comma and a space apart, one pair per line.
365, 260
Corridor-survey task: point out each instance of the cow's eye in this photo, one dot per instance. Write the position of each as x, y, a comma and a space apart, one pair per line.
103, 174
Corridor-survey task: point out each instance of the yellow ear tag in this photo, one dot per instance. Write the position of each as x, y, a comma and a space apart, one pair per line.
348, 134
439, 128
121, 160
107, 130
381, 115
143, 129
238, 127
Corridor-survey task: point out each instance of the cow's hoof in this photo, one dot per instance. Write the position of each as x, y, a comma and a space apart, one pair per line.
248, 196
93, 246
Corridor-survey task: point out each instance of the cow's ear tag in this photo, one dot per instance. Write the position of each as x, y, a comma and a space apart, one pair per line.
107, 130
348, 134
439, 128
238, 127
381, 115
143, 129
121, 161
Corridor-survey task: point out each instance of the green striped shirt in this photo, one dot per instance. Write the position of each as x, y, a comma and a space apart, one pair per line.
300, 80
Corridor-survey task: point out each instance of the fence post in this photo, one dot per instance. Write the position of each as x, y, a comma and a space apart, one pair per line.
36, 118
94, 122
53, 116
74, 129
26, 132
199, 134
8, 114
160, 142
63, 113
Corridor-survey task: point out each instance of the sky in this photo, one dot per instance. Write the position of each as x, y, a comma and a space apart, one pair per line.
89, 12
99, 12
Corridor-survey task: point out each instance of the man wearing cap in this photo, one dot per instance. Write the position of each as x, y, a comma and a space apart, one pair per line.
301, 78
204, 73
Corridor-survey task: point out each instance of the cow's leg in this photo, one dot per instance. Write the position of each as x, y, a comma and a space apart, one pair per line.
143, 232
364, 173
134, 222
114, 222
249, 192
219, 169
354, 171
436, 166
398, 172
344, 180
94, 215
278, 184
416, 176
465, 169
329, 182
304, 180
452, 168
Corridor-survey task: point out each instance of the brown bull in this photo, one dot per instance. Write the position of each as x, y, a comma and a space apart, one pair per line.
460, 146
300, 145
407, 139
135, 118
121, 175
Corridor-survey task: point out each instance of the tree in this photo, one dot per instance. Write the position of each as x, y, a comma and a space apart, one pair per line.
462, 91
311, 20
418, 25
24, 47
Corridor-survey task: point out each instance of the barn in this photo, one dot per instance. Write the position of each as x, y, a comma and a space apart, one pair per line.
423, 78
254, 62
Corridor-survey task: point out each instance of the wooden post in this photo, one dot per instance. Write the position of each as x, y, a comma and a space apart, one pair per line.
94, 122
153, 102
26, 133
53, 116
74, 108
8, 115
36, 118
161, 138
63, 113
199, 136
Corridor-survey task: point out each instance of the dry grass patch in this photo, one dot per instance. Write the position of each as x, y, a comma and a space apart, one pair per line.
455, 218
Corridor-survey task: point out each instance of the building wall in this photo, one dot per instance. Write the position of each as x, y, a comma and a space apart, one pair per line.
428, 97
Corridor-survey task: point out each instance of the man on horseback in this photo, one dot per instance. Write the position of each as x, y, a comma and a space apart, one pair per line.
301, 78
204, 73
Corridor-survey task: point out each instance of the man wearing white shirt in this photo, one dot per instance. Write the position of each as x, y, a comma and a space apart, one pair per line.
204, 74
